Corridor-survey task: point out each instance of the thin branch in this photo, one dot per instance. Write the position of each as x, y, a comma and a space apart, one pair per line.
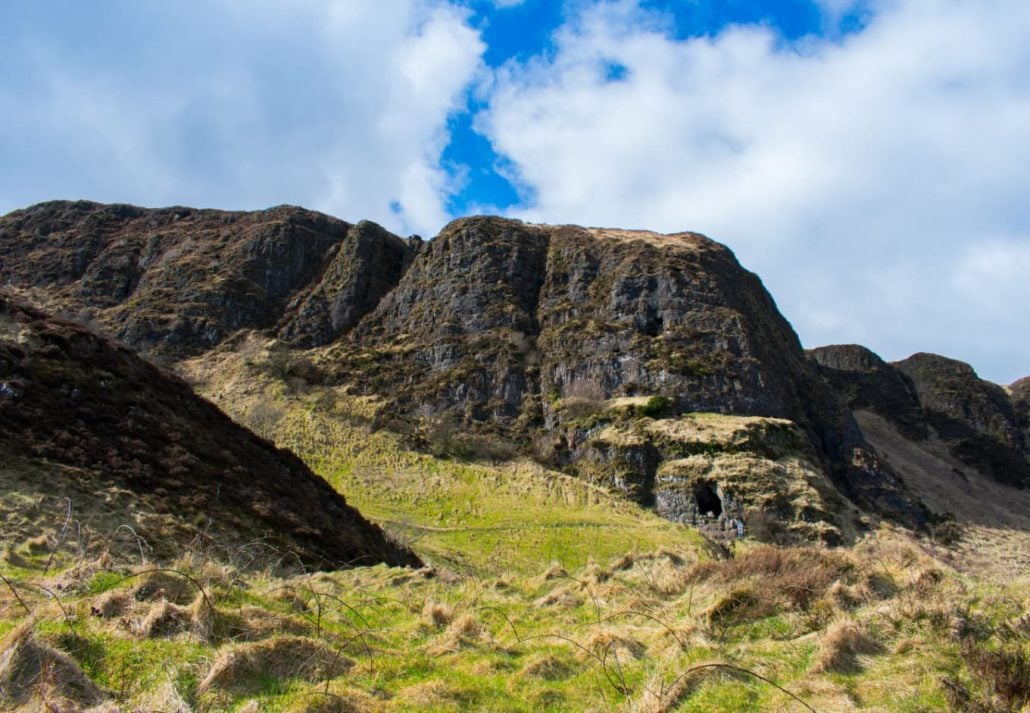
738, 669
21, 601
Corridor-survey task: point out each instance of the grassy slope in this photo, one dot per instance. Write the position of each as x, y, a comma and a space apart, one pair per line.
548, 595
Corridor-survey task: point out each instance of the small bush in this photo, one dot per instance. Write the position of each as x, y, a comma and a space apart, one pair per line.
656, 407
795, 577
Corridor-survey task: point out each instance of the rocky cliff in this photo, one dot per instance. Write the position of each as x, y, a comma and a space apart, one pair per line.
983, 425
524, 333
126, 446
524, 326
179, 281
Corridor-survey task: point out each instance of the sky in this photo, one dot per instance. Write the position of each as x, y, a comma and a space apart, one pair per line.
869, 159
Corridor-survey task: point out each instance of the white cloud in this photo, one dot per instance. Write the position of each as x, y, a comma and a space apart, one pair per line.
340, 106
852, 174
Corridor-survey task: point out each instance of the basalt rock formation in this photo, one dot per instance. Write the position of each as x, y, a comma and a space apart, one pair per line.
128, 445
518, 325
983, 425
1020, 394
525, 333
179, 281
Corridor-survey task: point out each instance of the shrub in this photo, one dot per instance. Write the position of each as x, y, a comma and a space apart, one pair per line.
656, 406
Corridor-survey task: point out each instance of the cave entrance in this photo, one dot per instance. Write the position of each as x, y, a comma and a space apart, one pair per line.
707, 500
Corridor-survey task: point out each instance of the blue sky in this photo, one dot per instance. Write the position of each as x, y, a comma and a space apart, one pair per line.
868, 158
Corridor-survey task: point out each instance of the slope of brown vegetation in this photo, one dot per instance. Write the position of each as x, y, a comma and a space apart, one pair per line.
87, 426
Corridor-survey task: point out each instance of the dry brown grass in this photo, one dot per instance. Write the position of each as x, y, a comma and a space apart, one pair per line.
157, 585
793, 577
29, 669
662, 697
428, 695
562, 597
622, 563
841, 646
465, 631
605, 643
436, 614
111, 604
322, 701
554, 571
240, 668
164, 619
739, 604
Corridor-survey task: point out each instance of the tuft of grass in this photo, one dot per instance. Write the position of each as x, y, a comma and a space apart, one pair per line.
841, 645
254, 667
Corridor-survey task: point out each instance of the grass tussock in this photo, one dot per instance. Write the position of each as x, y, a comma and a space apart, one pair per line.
463, 632
562, 597
31, 670
111, 604
436, 614
840, 647
606, 642
547, 667
245, 667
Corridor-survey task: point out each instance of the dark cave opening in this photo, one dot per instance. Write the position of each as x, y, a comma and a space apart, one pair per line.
707, 500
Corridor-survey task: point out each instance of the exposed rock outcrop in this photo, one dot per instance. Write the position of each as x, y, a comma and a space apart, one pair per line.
975, 417
179, 281
709, 469
363, 269
1020, 394
90, 421
865, 381
502, 322
982, 424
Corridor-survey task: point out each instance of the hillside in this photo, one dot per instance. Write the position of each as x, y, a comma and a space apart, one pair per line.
957, 441
547, 594
982, 424
515, 336
566, 425
92, 434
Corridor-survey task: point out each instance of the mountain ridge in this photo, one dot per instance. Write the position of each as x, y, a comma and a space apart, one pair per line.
515, 333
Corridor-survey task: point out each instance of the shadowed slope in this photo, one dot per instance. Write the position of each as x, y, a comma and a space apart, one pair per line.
81, 415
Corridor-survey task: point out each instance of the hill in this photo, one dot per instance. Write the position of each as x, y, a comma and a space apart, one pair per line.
496, 336
568, 424
92, 434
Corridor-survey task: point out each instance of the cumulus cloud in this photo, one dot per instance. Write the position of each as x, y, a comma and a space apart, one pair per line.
875, 180
340, 106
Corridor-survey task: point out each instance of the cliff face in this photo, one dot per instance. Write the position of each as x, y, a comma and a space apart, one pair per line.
507, 323
1020, 394
90, 421
178, 281
982, 424
977, 418
502, 327
865, 381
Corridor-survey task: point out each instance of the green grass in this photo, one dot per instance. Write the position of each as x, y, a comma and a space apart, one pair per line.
475, 517
534, 604
630, 626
